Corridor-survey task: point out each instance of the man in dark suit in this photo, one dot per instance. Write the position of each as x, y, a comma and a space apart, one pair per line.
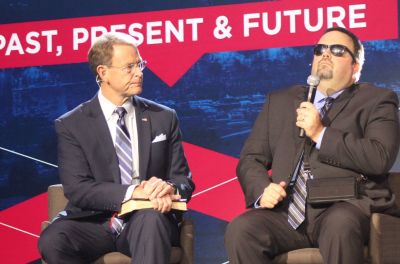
97, 177
358, 138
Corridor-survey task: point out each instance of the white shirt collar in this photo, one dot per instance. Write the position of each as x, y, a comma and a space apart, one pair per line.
320, 97
108, 107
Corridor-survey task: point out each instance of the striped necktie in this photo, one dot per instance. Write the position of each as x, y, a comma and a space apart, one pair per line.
327, 105
123, 149
297, 205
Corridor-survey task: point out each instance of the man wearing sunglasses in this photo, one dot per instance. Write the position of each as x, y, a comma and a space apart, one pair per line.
113, 148
352, 131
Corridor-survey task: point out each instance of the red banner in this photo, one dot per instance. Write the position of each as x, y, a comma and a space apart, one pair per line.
173, 40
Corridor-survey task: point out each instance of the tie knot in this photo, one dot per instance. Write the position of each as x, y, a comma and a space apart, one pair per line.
120, 111
329, 100
326, 106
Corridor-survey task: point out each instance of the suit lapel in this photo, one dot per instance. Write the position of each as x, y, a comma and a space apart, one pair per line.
143, 123
102, 133
338, 104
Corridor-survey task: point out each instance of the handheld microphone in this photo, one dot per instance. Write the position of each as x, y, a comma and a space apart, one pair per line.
312, 82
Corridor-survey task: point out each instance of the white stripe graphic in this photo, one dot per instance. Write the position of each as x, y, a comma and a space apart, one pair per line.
215, 186
29, 157
17, 229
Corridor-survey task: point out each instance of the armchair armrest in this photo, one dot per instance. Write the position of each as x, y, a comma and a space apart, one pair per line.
44, 225
187, 233
384, 239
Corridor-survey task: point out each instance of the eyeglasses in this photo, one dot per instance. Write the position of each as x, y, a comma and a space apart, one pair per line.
337, 50
141, 65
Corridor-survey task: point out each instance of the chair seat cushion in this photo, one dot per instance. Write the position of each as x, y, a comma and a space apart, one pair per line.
305, 256
113, 258
300, 256
119, 258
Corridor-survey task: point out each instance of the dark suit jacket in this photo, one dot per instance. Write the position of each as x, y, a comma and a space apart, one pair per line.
88, 164
362, 137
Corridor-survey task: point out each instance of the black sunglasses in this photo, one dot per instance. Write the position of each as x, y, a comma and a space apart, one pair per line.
337, 50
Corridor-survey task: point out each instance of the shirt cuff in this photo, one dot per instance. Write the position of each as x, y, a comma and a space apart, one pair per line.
129, 192
319, 141
257, 203
173, 185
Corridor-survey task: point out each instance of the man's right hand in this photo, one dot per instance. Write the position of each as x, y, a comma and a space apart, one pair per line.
139, 193
273, 194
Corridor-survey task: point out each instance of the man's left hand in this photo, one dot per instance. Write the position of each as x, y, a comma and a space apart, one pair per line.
161, 194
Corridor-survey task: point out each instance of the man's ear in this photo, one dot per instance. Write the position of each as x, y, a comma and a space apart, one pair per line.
356, 67
102, 72
356, 71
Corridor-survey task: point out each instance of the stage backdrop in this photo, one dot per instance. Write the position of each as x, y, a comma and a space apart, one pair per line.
212, 61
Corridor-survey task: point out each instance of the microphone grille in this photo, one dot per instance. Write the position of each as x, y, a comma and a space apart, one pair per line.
313, 80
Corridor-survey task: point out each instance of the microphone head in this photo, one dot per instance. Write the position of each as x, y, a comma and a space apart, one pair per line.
313, 80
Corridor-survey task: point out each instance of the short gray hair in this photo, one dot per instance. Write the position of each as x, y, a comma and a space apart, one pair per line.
102, 50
